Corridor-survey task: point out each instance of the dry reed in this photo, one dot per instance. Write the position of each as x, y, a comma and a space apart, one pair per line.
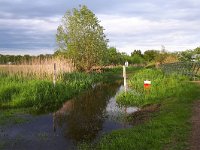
39, 68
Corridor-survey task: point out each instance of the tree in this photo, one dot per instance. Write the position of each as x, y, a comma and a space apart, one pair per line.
137, 52
150, 55
82, 37
197, 50
186, 55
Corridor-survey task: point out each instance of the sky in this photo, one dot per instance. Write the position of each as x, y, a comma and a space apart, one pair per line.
29, 27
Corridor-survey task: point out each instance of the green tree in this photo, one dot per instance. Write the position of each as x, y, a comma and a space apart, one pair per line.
136, 59
186, 55
82, 37
197, 50
137, 52
114, 57
150, 55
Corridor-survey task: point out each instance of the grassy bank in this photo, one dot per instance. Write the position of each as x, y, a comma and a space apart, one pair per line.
167, 129
18, 91
162, 87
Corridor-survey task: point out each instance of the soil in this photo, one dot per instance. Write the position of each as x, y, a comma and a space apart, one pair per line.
144, 114
195, 135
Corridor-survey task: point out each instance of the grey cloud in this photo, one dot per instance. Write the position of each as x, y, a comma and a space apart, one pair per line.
24, 36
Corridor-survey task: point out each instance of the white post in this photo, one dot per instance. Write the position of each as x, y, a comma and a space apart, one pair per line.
124, 75
54, 75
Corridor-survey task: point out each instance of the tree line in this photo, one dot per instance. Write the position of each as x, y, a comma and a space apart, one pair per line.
114, 57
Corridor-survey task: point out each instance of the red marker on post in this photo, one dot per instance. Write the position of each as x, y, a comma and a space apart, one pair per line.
147, 84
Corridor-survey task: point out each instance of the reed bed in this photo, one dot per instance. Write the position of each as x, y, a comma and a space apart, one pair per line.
39, 68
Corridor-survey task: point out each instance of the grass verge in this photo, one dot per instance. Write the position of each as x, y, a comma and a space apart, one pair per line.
167, 129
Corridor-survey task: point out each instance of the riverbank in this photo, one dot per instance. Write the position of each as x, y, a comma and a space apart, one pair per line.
85, 117
168, 128
40, 96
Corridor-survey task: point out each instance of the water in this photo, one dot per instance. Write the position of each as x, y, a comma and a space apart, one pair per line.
85, 118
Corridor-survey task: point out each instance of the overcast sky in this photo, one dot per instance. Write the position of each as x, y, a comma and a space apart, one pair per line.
29, 27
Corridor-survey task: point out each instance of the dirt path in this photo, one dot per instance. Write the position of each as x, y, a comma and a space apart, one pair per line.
195, 136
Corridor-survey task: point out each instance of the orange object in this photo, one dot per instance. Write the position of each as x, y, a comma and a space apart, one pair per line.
147, 84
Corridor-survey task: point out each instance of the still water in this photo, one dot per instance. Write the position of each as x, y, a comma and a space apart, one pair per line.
85, 118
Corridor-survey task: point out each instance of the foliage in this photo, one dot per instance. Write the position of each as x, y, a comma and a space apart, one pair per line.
41, 95
197, 50
168, 129
81, 36
137, 52
26, 59
114, 57
162, 86
150, 55
186, 55
137, 59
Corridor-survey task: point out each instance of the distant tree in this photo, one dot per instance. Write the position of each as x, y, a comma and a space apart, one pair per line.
186, 55
137, 52
136, 59
82, 37
114, 57
150, 55
197, 50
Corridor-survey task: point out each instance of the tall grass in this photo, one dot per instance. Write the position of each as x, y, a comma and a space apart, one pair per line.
18, 91
39, 68
162, 86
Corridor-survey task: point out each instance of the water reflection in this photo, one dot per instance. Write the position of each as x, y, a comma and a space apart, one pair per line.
82, 118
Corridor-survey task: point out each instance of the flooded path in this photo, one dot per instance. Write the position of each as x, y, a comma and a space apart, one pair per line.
84, 118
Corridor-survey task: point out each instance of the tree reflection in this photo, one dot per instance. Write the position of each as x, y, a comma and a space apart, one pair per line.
82, 117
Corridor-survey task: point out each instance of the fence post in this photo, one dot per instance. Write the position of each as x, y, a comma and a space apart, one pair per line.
124, 75
54, 75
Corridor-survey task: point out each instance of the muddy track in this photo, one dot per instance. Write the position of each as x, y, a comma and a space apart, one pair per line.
195, 135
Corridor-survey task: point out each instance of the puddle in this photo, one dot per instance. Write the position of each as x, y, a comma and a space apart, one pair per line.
84, 118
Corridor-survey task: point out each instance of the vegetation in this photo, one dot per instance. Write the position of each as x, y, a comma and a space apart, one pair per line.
111, 57
168, 128
81, 36
162, 86
26, 59
42, 69
26, 82
18, 91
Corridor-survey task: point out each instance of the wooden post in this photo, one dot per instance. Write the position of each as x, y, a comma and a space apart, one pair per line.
54, 75
124, 75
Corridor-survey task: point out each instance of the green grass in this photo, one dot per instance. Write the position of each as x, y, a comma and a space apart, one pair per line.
21, 92
162, 86
17, 91
167, 129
